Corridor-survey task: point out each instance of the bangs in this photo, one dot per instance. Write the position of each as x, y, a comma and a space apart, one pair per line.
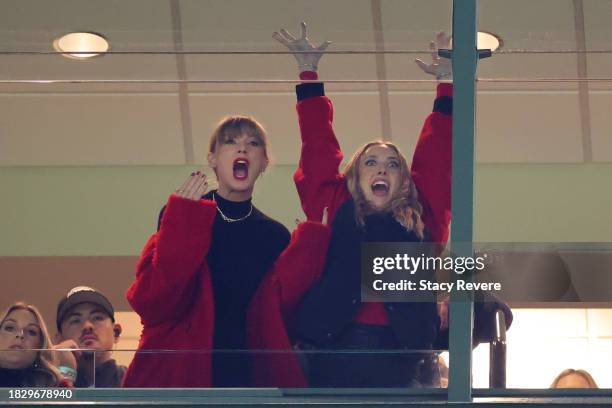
232, 133
234, 127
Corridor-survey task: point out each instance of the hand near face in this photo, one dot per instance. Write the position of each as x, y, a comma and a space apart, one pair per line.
194, 187
67, 358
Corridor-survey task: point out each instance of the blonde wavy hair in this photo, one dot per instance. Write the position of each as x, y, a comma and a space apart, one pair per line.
404, 204
570, 371
43, 371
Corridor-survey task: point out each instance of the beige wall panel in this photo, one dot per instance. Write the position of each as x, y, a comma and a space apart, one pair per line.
519, 127
356, 120
601, 125
408, 113
43, 281
104, 129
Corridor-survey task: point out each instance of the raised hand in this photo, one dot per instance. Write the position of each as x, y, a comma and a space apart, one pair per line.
441, 68
306, 54
194, 187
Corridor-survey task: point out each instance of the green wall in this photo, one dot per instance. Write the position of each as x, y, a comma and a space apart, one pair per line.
67, 211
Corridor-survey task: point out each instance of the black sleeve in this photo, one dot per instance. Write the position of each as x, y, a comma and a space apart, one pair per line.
284, 236
443, 104
161, 215
309, 90
484, 321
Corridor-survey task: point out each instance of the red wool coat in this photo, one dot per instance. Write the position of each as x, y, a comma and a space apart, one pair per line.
174, 298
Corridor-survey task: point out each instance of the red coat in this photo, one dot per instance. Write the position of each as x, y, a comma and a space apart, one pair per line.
320, 184
174, 298
295, 271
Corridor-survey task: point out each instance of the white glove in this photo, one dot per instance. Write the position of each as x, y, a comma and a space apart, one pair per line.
306, 54
440, 67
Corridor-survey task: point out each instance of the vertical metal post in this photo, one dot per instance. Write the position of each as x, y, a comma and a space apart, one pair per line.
465, 59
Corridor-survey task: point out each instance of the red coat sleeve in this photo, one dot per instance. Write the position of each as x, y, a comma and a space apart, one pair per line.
301, 264
164, 288
431, 170
318, 180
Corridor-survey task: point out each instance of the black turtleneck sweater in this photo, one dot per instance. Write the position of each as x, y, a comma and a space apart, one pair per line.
12, 378
239, 256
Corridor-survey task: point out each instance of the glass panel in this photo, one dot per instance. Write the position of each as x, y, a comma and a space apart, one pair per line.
91, 149
306, 367
543, 155
191, 40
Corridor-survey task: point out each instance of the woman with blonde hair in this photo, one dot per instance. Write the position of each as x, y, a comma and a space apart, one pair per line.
377, 198
26, 359
571, 378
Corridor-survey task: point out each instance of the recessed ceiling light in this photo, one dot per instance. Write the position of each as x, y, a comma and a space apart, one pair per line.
81, 45
487, 40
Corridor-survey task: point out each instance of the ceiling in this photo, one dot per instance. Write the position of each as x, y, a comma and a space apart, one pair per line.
177, 67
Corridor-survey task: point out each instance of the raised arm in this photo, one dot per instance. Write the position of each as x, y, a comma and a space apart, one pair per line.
166, 273
431, 163
318, 179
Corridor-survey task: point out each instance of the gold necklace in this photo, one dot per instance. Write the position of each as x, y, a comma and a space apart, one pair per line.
228, 219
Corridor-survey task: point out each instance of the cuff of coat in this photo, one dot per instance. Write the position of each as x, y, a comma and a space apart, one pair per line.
309, 90
184, 214
444, 99
444, 89
309, 76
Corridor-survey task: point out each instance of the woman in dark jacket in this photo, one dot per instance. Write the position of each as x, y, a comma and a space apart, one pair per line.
377, 198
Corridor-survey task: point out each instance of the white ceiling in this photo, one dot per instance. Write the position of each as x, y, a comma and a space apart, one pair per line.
129, 109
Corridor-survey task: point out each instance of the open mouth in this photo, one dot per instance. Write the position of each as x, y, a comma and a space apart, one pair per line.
241, 169
380, 188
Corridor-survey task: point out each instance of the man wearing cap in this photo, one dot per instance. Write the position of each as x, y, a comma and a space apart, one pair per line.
86, 320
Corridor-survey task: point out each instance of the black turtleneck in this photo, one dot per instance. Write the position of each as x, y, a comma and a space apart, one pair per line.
239, 256
12, 378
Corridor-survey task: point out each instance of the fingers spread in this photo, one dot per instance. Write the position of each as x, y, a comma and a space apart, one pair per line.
324, 46
183, 186
304, 32
424, 66
189, 187
434, 51
192, 192
201, 189
278, 37
287, 35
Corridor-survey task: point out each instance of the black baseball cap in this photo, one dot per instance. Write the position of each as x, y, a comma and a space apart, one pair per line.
78, 295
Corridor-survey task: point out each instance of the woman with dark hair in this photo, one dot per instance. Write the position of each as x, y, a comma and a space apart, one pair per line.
26, 358
377, 198
198, 272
